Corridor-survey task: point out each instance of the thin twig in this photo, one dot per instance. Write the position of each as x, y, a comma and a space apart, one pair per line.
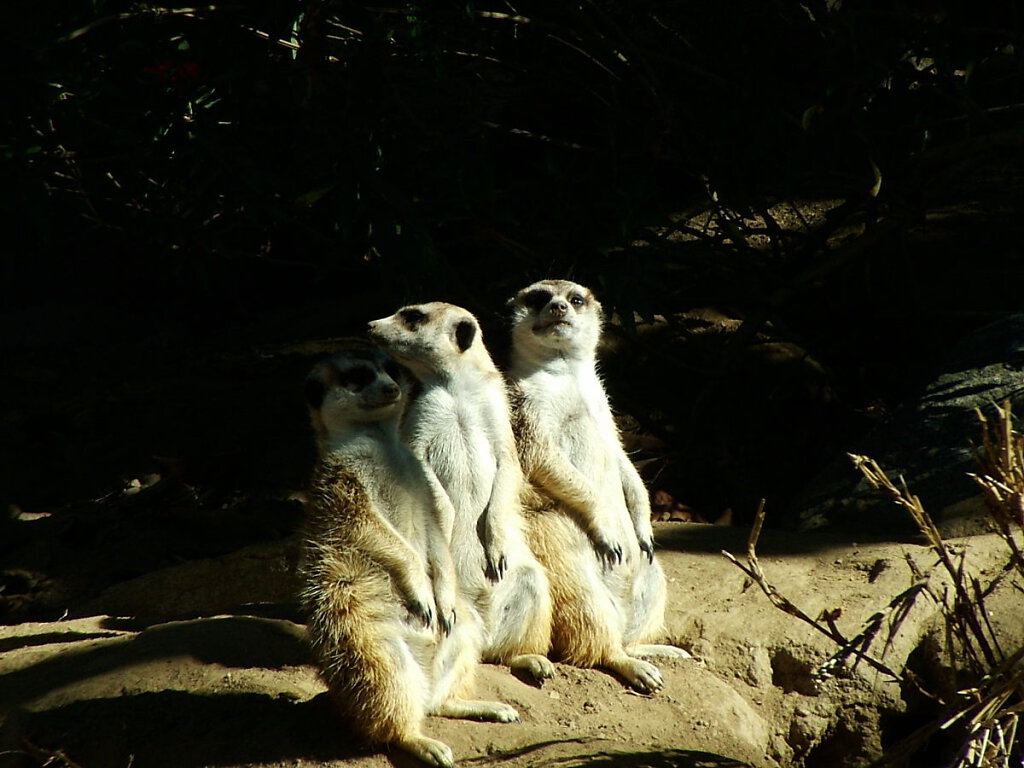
780, 601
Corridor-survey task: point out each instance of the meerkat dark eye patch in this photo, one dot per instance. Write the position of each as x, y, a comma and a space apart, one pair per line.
537, 299
355, 378
412, 318
314, 391
465, 332
577, 300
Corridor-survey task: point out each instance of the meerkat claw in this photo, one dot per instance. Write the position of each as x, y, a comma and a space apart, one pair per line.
445, 623
647, 547
421, 612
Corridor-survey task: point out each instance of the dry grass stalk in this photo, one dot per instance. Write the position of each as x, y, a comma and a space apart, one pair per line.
987, 713
966, 609
1000, 460
825, 624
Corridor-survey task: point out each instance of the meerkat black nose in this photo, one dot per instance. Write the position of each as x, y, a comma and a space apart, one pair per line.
558, 308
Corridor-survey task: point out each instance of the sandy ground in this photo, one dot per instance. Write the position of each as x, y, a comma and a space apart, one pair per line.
229, 681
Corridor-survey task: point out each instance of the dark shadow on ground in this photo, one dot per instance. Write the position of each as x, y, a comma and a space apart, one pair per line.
177, 729
232, 641
712, 539
676, 758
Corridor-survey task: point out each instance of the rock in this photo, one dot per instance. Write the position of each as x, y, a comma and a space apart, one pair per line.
927, 444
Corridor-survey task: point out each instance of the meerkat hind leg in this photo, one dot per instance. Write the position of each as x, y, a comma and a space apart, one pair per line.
520, 616
538, 668
473, 709
658, 651
430, 751
640, 674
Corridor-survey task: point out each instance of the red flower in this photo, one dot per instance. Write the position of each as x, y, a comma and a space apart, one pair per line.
171, 73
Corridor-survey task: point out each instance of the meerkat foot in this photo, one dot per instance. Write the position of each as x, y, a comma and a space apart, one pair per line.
430, 751
658, 651
472, 709
534, 665
641, 675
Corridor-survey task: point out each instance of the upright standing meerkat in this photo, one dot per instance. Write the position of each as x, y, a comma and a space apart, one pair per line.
378, 581
459, 426
592, 526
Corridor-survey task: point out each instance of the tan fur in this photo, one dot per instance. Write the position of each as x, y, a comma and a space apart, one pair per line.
379, 583
459, 425
589, 520
350, 602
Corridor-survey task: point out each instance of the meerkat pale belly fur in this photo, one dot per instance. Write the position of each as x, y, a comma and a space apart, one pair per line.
379, 585
590, 521
459, 425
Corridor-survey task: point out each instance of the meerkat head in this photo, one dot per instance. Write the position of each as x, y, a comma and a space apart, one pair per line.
558, 316
352, 388
432, 339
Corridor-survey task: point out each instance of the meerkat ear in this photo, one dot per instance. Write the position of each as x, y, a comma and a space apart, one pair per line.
465, 332
315, 391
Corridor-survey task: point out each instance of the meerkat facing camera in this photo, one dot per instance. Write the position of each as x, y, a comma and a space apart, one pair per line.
378, 582
591, 520
459, 425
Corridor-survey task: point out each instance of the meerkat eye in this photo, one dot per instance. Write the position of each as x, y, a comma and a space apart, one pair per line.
537, 300
576, 300
412, 317
355, 379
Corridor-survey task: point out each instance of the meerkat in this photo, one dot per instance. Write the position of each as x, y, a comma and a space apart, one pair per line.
459, 425
379, 585
590, 517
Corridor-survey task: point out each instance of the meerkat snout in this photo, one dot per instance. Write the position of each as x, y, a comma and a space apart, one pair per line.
557, 308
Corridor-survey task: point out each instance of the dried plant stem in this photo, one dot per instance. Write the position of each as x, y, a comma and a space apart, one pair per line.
968, 627
1001, 477
780, 601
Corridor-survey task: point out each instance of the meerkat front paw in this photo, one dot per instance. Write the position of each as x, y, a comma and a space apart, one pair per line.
420, 611
445, 619
647, 547
495, 561
419, 602
496, 566
644, 533
609, 553
445, 601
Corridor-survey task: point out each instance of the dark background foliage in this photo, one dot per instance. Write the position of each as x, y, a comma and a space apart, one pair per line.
201, 166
